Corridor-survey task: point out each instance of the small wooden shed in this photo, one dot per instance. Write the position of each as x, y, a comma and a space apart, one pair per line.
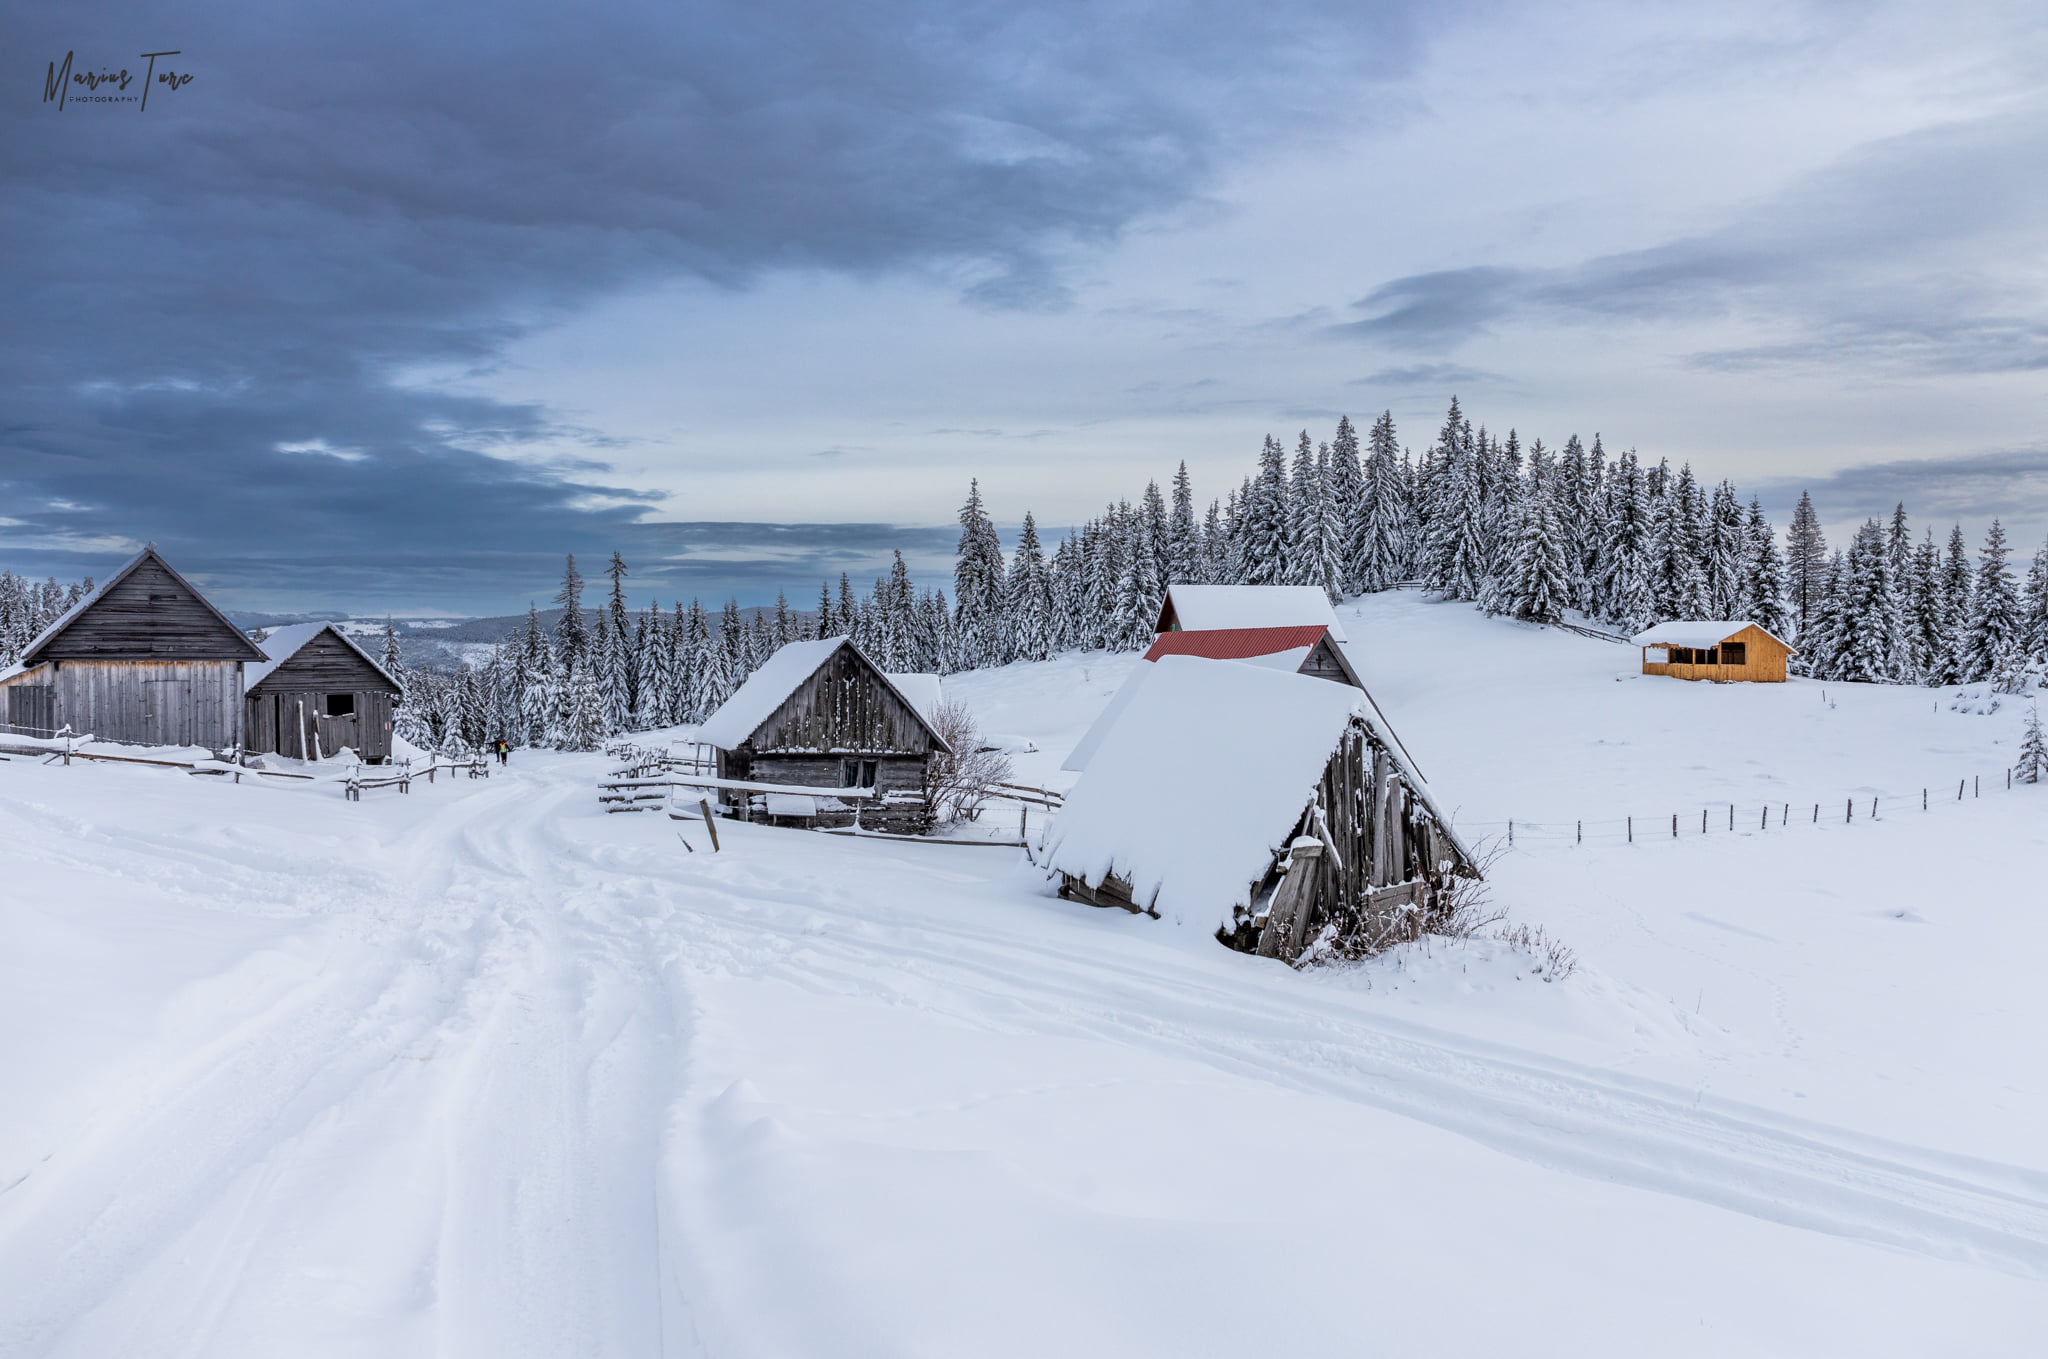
1722, 651
317, 693
1260, 804
821, 715
144, 659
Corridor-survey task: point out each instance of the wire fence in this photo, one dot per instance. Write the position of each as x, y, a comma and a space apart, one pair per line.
1729, 818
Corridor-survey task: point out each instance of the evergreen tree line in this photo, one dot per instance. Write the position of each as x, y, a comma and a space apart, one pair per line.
1531, 532
26, 608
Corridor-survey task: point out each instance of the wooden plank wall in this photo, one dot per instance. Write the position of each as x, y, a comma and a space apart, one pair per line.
273, 724
846, 705
324, 663
1322, 664
148, 614
152, 702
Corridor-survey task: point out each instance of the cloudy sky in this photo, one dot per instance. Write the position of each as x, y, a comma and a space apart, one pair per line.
391, 305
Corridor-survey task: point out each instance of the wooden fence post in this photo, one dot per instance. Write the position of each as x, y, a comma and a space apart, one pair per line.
1631, 830
1674, 825
709, 825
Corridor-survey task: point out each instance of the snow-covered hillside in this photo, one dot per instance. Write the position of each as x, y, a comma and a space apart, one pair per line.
483, 1071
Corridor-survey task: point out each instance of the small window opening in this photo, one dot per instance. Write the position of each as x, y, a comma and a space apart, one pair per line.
1735, 653
857, 773
341, 705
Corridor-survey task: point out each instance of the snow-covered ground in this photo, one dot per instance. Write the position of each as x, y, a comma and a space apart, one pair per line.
483, 1071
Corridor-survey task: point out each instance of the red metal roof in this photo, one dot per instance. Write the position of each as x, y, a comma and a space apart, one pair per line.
1235, 644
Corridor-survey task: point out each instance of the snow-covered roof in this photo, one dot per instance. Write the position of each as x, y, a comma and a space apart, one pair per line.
1203, 608
1289, 662
1697, 633
285, 642
923, 693
755, 701
1200, 782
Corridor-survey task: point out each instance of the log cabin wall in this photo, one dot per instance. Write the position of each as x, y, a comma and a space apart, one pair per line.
149, 614
158, 703
299, 725
844, 705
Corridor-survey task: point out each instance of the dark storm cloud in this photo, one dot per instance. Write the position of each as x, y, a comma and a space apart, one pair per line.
1903, 255
346, 194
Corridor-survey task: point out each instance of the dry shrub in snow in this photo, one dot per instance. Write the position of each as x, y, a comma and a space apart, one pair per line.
1463, 910
958, 785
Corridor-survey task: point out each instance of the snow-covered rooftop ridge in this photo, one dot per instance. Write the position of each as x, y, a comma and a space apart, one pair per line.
1200, 783
923, 692
755, 701
1697, 632
1202, 608
284, 643
1289, 662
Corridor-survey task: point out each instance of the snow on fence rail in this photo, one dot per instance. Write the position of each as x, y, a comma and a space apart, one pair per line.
1731, 818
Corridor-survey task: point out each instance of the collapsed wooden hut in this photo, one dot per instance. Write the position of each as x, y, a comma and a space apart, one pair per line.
317, 693
822, 715
1262, 804
1723, 651
1213, 608
144, 659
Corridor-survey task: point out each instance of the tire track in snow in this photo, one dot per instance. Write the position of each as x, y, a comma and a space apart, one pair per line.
1544, 1110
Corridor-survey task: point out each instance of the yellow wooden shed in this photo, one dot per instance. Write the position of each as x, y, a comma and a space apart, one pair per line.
1710, 650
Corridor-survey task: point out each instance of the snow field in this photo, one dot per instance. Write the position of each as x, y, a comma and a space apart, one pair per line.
485, 1071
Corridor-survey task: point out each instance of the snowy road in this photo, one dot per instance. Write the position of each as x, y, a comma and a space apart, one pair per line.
483, 1071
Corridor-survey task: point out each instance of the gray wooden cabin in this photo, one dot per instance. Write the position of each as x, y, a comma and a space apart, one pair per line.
316, 694
142, 659
822, 715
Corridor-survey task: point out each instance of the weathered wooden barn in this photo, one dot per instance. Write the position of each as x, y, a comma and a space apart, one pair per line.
822, 715
1722, 651
317, 693
1216, 608
144, 658
1260, 804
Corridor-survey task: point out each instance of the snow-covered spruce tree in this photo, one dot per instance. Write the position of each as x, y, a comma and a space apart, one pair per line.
1311, 537
1677, 579
1344, 478
2032, 766
1621, 585
1538, 586
1457, 555
1993, 628
1927, 631
626, 679
1870, 644
582, 721
1763, 579
1806, 554
1573, 503
538, 701
1154, 530
1382, 526
1819, 648
1956, 580
1138, 591
1725, 558
1030, 604
1183, 535
1263, 514
1215, 547
572, 633
657, 669
2034, 609
978, 584
609, 675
